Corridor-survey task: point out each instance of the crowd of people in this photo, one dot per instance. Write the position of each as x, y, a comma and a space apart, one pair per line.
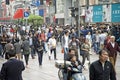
90, 42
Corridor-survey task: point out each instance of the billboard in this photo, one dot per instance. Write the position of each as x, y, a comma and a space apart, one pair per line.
106, 13
97, 13
115, 13
103, 13
89, 14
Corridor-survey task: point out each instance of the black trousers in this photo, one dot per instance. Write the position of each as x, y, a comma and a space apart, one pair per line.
53, 50
40, 57
26, 56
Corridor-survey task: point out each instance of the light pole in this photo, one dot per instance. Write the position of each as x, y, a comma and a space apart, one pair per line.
77, 17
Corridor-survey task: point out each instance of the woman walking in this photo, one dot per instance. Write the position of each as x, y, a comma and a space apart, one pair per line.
26, 50
85, 47
40, 47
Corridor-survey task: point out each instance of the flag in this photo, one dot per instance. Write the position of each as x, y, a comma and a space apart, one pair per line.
18, 14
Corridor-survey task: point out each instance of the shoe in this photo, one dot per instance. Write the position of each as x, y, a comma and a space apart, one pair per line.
49, 57
33, 57
40, 64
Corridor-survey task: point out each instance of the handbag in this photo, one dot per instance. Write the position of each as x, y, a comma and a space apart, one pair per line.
39, 49
25, 52
62, 50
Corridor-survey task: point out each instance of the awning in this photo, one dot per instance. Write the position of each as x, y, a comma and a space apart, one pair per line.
19, 14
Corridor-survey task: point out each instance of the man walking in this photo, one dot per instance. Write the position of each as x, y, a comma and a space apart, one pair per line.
12, 69
112, 48
102, 69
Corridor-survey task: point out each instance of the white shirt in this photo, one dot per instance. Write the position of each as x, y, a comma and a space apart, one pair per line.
89, 38
66, 41
113, 44
30, 41
52, 42
97, 37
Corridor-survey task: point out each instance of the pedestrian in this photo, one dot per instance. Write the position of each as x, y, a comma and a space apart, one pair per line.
7, 47
85, 47
12, 69
32, 48
40, 48
52, 44
96, 41
65, 43
26, 50
43, 38
17, 47
89, 37
112, 48
102, 69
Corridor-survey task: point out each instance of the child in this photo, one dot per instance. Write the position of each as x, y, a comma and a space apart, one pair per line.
75, 70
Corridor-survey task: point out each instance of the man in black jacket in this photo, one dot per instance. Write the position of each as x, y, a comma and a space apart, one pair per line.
102, 69
12, 69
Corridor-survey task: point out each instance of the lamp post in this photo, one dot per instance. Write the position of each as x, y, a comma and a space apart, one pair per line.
77, 17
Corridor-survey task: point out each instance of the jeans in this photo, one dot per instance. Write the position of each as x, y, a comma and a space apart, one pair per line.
65, 53
32, 52
44, 47
96, 47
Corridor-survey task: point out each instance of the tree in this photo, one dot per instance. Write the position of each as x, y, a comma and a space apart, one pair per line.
35, 20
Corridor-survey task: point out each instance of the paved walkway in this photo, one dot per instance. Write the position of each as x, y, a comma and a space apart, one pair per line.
48, 71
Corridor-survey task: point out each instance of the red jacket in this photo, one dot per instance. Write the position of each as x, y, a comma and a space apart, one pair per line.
112, 51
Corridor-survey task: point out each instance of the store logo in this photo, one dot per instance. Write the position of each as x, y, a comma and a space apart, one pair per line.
97, 13
116, 11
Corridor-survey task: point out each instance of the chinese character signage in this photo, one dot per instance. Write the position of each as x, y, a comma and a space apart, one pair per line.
115, 13
97, 13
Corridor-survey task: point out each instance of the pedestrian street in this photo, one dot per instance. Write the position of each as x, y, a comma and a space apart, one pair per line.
48, 71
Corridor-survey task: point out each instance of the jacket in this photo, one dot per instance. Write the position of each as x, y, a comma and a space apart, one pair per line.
112, 50
12, 70
97, 72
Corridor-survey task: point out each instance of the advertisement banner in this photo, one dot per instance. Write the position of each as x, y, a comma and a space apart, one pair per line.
107, 13
97, 13
115, 13
89, 14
